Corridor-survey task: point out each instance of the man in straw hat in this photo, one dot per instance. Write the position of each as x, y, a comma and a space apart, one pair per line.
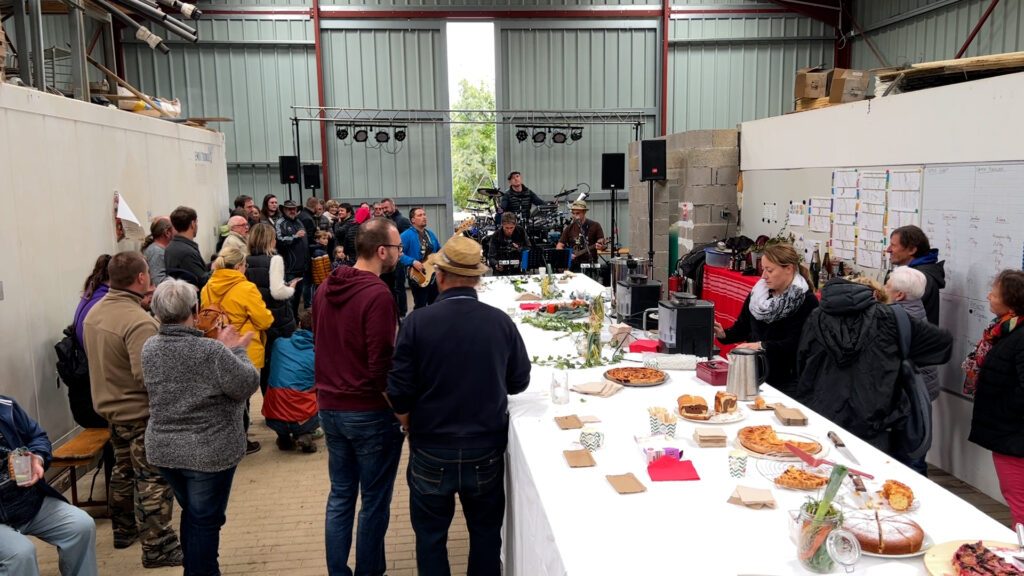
457, 411
583, 236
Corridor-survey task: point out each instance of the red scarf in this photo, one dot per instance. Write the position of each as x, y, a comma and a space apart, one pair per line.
1000, 327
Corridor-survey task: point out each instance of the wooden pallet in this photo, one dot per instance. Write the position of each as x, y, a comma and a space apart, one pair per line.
803, 104
943, 72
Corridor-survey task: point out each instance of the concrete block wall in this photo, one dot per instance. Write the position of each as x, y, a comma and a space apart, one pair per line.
701, 167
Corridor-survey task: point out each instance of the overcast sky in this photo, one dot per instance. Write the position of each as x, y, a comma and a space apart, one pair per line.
470, 55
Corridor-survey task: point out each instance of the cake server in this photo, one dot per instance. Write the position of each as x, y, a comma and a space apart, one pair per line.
816, 462
841, 446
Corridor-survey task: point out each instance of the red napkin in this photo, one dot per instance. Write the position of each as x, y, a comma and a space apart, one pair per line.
667, 469
644, 346
529, 305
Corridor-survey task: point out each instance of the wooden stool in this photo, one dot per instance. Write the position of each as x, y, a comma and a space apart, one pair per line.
85, 449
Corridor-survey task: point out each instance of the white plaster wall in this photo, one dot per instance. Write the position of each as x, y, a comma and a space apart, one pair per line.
60, 162
972, 122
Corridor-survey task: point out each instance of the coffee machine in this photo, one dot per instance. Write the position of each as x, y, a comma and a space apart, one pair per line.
686, 325
635, 295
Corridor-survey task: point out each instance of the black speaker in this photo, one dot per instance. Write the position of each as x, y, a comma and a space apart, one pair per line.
311, 176
289, 167
652, 160
613, 171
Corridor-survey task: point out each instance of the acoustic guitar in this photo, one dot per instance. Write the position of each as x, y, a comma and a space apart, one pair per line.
577, 253
423, 279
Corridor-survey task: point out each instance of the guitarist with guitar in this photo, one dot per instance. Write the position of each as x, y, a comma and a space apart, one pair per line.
417, 243
583, 236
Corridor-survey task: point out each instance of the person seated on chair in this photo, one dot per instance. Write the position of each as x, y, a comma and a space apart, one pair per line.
506, 245
290, 405
583, 236
33, 508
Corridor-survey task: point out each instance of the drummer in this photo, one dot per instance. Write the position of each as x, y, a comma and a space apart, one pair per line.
583, 236
505, 250
518, 198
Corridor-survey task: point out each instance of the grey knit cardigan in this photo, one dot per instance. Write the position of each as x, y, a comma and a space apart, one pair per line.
197, 391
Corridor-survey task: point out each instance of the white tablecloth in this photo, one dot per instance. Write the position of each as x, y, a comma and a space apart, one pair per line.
570, 521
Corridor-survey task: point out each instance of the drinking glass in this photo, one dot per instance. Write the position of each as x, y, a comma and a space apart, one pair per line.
560, 387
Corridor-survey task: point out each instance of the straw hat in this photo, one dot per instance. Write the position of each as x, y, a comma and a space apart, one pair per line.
461, 256
578, 205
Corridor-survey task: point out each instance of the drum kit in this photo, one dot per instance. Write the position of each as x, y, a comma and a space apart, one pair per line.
543, 227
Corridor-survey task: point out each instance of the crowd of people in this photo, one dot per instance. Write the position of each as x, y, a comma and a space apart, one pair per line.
174, 359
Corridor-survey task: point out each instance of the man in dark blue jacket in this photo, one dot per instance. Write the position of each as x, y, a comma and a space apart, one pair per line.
34, 508
293, 245
457, 412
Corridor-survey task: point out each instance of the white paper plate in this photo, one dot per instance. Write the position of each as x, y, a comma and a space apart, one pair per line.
926, 544
716, 418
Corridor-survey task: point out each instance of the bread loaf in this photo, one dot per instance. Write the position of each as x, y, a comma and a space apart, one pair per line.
725, 402
886, 534
693, 407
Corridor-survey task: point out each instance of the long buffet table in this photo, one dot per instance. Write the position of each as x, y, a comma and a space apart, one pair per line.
564, 520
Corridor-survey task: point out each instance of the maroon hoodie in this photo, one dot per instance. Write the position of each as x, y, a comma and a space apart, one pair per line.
354, 322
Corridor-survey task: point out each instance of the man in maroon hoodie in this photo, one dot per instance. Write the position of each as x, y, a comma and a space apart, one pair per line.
355, 320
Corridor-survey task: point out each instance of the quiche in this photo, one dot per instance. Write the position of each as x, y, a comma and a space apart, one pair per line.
762, 440
971, 559
799, 479
635, 376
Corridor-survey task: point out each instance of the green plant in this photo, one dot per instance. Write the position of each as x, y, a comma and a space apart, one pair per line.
813, 553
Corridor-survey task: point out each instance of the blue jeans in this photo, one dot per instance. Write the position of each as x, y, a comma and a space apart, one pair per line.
203, 497
70, 529
477, 475
363, 452
294, 429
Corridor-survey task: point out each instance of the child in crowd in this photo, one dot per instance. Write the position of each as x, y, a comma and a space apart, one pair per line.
322, 238
290, 404
339, 258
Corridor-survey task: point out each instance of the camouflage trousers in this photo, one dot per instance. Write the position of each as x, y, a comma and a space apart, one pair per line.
140, 499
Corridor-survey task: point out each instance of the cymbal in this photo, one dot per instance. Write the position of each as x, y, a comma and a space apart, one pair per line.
478, 201
492, 192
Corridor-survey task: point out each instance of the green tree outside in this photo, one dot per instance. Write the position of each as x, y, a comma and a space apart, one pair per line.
474, 146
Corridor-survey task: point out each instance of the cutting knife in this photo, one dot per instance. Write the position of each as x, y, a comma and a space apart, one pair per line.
841, 446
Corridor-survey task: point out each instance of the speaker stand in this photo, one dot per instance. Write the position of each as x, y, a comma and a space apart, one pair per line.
289, 190
650, 225
613, 250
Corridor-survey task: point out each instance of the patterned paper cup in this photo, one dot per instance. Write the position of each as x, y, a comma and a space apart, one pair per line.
737, 464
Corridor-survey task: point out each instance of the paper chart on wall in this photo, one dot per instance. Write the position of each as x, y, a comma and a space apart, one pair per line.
797, 214
819, 213
897, 219
844, 206
871, 221
905, 180
869, 259
820, 223
904, 200
844, 178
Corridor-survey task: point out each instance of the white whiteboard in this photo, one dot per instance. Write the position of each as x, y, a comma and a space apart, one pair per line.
974, 215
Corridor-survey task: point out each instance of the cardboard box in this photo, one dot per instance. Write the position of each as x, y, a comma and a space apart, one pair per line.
812, 82
848, 85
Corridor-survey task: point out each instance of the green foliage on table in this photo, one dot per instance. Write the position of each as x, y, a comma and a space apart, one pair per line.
518, 283
555, 324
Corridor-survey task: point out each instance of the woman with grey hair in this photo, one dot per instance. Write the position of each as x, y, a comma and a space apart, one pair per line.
197, 392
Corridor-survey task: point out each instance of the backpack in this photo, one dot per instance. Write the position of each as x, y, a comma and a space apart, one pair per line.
915, 431
73, 371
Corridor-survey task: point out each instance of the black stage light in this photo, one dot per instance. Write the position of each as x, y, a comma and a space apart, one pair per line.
382, 136
538, 137
341, 132
521, 135
558, 137
399, 134
361, 135
576, 134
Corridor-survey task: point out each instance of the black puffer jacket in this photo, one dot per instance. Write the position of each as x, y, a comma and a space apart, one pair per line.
257, 271
779, 340
998, 421
849, 359
935, 273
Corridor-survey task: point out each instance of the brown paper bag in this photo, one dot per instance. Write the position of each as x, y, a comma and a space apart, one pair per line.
755, 498
571, 422
579, 458
626, 483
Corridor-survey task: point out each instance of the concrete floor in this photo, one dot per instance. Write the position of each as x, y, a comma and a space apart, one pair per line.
275, 520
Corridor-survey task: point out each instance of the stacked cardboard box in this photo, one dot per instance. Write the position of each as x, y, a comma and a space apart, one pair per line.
701, 167
819, 87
